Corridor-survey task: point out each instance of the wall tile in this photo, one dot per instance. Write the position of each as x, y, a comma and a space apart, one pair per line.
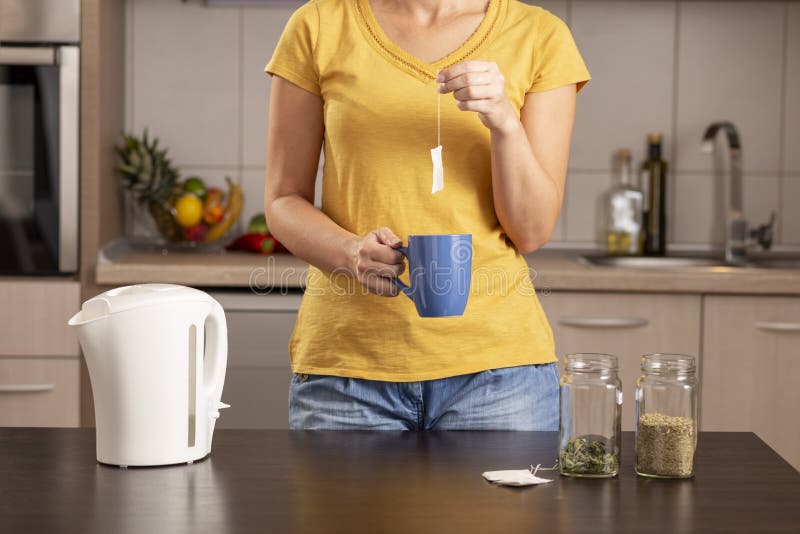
629, 49
253, 187
789, 215
696, 211
558, 234
792, 117
262, 28
761, 196
586, 206
730, 62
185, 85
698, 204
556, 7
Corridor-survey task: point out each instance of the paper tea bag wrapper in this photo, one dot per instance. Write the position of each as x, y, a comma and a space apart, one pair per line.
438, 169
514, 477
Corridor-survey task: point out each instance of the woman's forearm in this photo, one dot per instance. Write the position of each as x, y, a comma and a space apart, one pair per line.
311, 235
526, 198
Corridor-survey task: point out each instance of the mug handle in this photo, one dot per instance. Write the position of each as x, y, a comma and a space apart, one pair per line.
407, 291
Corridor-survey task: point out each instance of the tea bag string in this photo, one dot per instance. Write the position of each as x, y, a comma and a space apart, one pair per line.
539, 467
438, 119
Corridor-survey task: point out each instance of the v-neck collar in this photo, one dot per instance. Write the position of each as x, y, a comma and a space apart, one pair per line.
416, 66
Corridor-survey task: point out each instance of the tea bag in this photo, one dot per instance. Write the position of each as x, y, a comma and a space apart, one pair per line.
436, 153
518, 477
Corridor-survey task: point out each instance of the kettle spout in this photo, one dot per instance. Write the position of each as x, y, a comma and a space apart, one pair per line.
92, 310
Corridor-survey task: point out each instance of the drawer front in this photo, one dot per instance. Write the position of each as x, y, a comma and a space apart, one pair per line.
259, 339
259, 398
627, 325
39, 392
34, 316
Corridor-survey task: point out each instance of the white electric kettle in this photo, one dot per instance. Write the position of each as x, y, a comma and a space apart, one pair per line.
156, 355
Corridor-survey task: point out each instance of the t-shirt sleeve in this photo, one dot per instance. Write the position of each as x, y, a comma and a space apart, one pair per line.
293, 58
556, 61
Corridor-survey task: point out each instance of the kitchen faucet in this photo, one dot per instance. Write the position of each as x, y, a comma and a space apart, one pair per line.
736, 227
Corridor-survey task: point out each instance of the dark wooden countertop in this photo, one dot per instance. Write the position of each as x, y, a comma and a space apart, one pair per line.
285, 482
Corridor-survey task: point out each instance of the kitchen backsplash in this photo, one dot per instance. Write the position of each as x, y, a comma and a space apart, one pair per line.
194, 77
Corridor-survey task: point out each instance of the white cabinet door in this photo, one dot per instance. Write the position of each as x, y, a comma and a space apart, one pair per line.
257, 381
39, 392
258, 375
34, 315
627, 325
751, 349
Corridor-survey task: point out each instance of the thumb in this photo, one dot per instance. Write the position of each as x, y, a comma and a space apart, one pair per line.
387, 237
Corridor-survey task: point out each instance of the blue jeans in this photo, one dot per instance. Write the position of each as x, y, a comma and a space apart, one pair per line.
513, 398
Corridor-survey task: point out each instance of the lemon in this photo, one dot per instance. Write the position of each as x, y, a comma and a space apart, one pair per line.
188, 210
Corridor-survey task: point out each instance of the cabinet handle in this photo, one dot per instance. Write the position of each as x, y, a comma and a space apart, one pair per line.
26, 388
775, 326
603, 322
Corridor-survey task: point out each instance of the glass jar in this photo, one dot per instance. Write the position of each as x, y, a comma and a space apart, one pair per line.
589, 431
666, 416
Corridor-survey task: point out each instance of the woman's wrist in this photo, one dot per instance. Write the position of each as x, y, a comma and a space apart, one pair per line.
509, 127
350, 248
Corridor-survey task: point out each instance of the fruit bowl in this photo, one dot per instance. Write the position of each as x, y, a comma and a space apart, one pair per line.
163, 208
195, 214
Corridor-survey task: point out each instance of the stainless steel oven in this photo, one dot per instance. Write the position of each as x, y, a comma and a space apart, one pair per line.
39, 136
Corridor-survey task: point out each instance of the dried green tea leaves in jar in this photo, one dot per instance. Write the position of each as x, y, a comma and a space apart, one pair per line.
665, 445
583, 456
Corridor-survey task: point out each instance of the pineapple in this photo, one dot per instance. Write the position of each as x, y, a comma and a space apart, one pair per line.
147, 172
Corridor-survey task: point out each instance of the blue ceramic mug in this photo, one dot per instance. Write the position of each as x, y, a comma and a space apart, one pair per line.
440, 273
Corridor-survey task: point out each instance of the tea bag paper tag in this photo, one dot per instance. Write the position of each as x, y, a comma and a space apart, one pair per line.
438, 169
514, 477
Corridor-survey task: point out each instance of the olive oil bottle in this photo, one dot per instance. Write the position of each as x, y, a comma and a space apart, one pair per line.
654, 171
625, 232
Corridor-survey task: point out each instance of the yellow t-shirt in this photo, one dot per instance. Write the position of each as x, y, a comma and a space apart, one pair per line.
380, 124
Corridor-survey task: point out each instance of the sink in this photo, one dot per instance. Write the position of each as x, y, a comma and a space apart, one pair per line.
775, 263
686, 262
651, 262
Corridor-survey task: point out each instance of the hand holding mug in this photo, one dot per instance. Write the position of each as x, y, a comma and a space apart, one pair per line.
377, 263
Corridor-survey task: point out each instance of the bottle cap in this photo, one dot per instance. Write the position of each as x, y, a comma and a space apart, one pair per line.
654, 138
623, 154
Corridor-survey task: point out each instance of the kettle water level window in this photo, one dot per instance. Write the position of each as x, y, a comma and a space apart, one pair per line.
192, 385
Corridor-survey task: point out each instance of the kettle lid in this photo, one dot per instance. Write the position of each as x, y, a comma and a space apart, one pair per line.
136, 296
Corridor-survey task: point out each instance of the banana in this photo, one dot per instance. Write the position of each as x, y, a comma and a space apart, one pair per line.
233, 208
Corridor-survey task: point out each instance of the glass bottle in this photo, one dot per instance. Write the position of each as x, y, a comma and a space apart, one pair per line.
625, 233
666, 416
589, 432
655, 168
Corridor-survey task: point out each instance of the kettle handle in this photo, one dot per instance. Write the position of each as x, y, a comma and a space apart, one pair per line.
216, 357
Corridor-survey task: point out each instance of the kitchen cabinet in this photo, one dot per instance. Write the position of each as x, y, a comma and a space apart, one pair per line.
39, 365
39, 392
258, 376
751, 369
627, 325
34, 317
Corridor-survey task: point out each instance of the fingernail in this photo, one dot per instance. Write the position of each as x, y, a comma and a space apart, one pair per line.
440, 77
441, 87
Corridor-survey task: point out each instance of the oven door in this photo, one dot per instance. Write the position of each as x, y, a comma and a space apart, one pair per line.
39, 159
